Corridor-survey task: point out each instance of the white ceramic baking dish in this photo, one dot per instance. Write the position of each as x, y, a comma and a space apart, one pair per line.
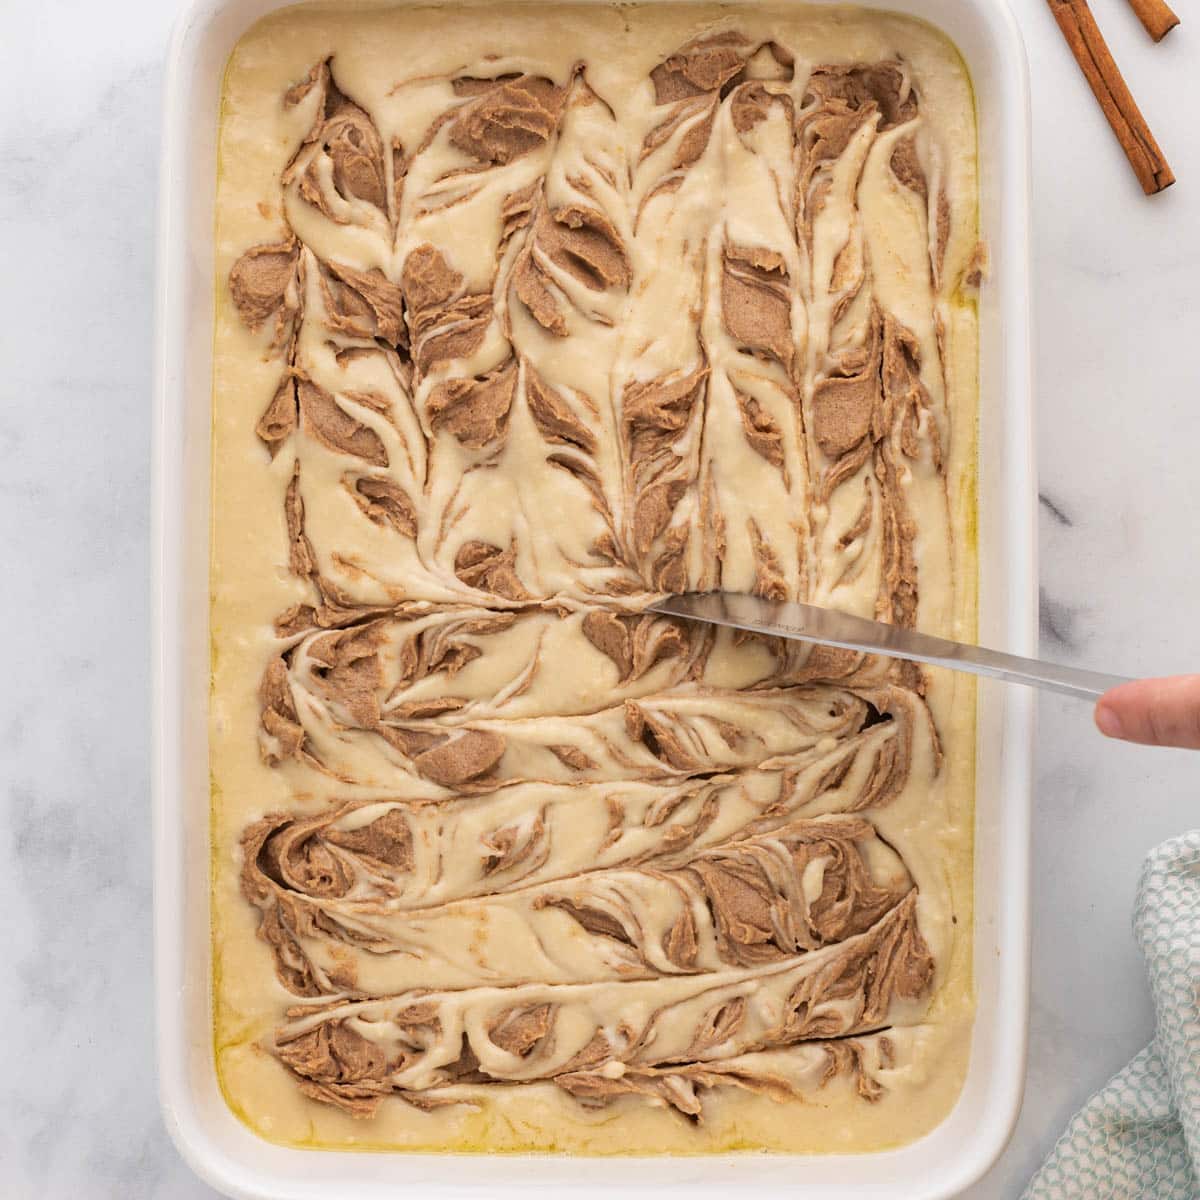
212, 1140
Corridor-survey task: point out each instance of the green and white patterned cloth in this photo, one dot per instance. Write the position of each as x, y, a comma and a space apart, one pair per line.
1138, 1137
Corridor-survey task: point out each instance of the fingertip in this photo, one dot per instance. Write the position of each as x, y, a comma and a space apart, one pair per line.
1153, 712
1107, 720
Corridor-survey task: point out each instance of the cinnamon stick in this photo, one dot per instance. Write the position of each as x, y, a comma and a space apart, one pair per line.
1157, 17
1091, 52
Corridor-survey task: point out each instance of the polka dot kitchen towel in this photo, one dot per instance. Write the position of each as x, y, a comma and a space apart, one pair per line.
1138, 1137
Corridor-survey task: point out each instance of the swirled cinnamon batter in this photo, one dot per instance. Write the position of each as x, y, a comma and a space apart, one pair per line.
527, 314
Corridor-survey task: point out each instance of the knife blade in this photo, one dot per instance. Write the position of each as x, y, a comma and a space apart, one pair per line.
827, 627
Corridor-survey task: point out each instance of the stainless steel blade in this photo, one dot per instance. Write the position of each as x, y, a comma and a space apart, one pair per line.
809, 623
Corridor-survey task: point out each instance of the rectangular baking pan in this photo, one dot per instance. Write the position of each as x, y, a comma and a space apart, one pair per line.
216, 1144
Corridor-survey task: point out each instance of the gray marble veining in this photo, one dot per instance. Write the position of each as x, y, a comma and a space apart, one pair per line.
1117, 381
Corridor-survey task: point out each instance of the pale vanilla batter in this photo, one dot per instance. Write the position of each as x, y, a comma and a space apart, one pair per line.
525, 315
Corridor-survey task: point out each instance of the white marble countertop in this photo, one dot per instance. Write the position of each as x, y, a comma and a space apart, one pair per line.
1118, 382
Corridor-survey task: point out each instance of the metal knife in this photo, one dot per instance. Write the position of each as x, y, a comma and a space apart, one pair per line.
809, 623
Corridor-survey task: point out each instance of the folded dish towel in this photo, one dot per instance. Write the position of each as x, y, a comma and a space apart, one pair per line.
1139, 1135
